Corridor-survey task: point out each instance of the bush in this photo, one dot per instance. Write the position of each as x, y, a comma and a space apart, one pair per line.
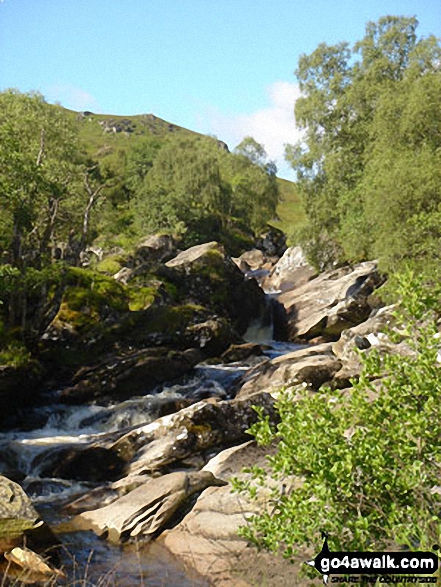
368, 461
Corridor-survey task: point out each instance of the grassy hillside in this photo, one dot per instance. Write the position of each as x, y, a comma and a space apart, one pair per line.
110, 138
290, 210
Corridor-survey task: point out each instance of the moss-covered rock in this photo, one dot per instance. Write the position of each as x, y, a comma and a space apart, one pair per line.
206, 275
20, 523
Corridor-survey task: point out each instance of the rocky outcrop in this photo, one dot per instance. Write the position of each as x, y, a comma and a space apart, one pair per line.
291, 270
330, 303
312, 366
145, 511
185, 439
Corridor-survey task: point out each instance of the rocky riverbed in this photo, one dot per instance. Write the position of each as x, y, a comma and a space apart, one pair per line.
138, 444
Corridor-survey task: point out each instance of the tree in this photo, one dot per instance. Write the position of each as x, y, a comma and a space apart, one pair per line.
345, 95
195, 188
46, 196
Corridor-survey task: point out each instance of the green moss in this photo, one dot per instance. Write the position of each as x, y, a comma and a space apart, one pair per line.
12, 528
15, 354
141, 298
95, 289
169, 320
110, 265
89, 298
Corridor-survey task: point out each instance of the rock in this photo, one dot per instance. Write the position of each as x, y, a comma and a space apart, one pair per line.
186, 258
207, 538
242, 352
364, 337
94, 464
154, 249
211, 337
291, 271
34, 567
250, 260
206, 276
330, 303
185, 439
125, 374
192, 432
124, 275
272, 242
20, 523
145, 511
312, 366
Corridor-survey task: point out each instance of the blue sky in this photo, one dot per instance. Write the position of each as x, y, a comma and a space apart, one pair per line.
223, 67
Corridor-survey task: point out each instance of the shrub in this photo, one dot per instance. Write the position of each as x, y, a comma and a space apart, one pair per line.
368, 460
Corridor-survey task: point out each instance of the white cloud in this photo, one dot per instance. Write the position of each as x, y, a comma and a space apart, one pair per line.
71, 97
272, 126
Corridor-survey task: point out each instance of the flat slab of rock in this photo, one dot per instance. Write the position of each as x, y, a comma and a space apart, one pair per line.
144, 511
330, 303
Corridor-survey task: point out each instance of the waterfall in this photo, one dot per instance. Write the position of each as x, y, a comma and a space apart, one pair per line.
270, 325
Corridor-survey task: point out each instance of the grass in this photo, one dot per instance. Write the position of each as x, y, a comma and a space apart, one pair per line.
290, 210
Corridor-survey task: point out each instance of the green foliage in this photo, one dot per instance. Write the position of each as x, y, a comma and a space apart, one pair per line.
197, 190
369, 167
40, 172
367, 462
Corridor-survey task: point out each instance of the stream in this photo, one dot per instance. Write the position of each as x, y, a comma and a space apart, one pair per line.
89, 561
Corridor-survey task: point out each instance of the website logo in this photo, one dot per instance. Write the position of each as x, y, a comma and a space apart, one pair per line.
373, 563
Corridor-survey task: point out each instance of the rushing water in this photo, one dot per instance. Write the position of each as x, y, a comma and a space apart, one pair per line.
89, 560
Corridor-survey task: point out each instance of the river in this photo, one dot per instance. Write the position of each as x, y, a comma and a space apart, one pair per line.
88, 560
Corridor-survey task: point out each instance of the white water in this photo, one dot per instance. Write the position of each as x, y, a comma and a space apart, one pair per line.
73, 425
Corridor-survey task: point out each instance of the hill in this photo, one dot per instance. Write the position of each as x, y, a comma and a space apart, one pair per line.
110, 138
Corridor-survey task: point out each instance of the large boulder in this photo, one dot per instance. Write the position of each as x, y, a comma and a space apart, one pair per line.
312, 366
187, 437
205, 275
330, 303
154, 249
143, 513
272, 242
292, 270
